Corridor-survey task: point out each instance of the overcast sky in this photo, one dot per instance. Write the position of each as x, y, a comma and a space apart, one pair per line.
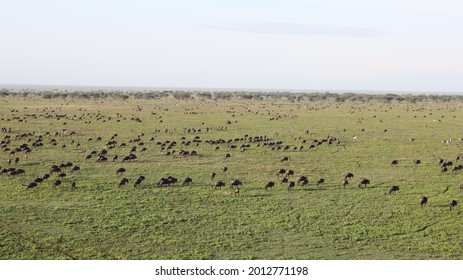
261, 44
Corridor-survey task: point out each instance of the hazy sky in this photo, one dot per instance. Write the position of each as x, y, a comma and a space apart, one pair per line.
272, 44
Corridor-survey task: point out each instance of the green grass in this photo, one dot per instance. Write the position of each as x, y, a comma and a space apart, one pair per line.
99, 220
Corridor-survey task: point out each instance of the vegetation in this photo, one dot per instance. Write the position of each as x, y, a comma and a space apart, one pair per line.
100, 220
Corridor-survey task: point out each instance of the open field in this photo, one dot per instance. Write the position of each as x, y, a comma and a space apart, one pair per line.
100, 220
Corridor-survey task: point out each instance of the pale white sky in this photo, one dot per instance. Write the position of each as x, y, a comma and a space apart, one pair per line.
272, 44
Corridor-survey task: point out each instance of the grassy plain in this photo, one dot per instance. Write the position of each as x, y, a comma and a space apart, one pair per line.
99, 220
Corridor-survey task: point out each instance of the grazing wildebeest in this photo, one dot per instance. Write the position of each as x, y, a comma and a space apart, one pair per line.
73, 185
56, 183
219, 184
187, 181
237, 191
423, 201
320, 181
213, 175
291, 185
345, 183
224, 169
269, 185
303, 180
236, 183
417, 161
289, 173
38, 180
452, 204
61, 175
75, 168
120, 171
163, 181
281, 172
364, 182
227, 155
139, 180
393, 189
46, 176
32, 185
115, 157
348, 176
123, 182
394, 162
444, 170
284, 159
284, 180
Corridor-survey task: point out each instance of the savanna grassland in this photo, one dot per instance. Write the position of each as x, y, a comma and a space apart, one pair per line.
97, 219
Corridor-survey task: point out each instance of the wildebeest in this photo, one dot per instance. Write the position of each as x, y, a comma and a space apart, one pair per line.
224, 169
284, 180
56, 183
364, 182
417, 161
75, 168
138, 180
289, 173
281, 172
394, 162
38, 180
73, 185
348, 176
284, 159
320, 181
303, 181
31, 185
237, 191
219, 184
270, 184
213, 175
291, 185
123, 182
423, 201
452, 204
393, 189
120, 171
187, 181
345, 183
236, 183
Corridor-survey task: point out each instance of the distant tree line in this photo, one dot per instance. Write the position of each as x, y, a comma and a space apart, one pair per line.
229, 95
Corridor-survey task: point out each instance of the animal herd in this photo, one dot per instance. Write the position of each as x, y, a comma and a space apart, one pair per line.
139, 145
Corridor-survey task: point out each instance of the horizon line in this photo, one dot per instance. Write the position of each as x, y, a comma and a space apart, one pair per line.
224, 89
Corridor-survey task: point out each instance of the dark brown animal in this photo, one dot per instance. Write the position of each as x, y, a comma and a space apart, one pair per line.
269, 185
348, 176
345, 183
187, 181
123, 182
423, 201
219, 184
393, 189
364, 182
236, 183
452, 204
